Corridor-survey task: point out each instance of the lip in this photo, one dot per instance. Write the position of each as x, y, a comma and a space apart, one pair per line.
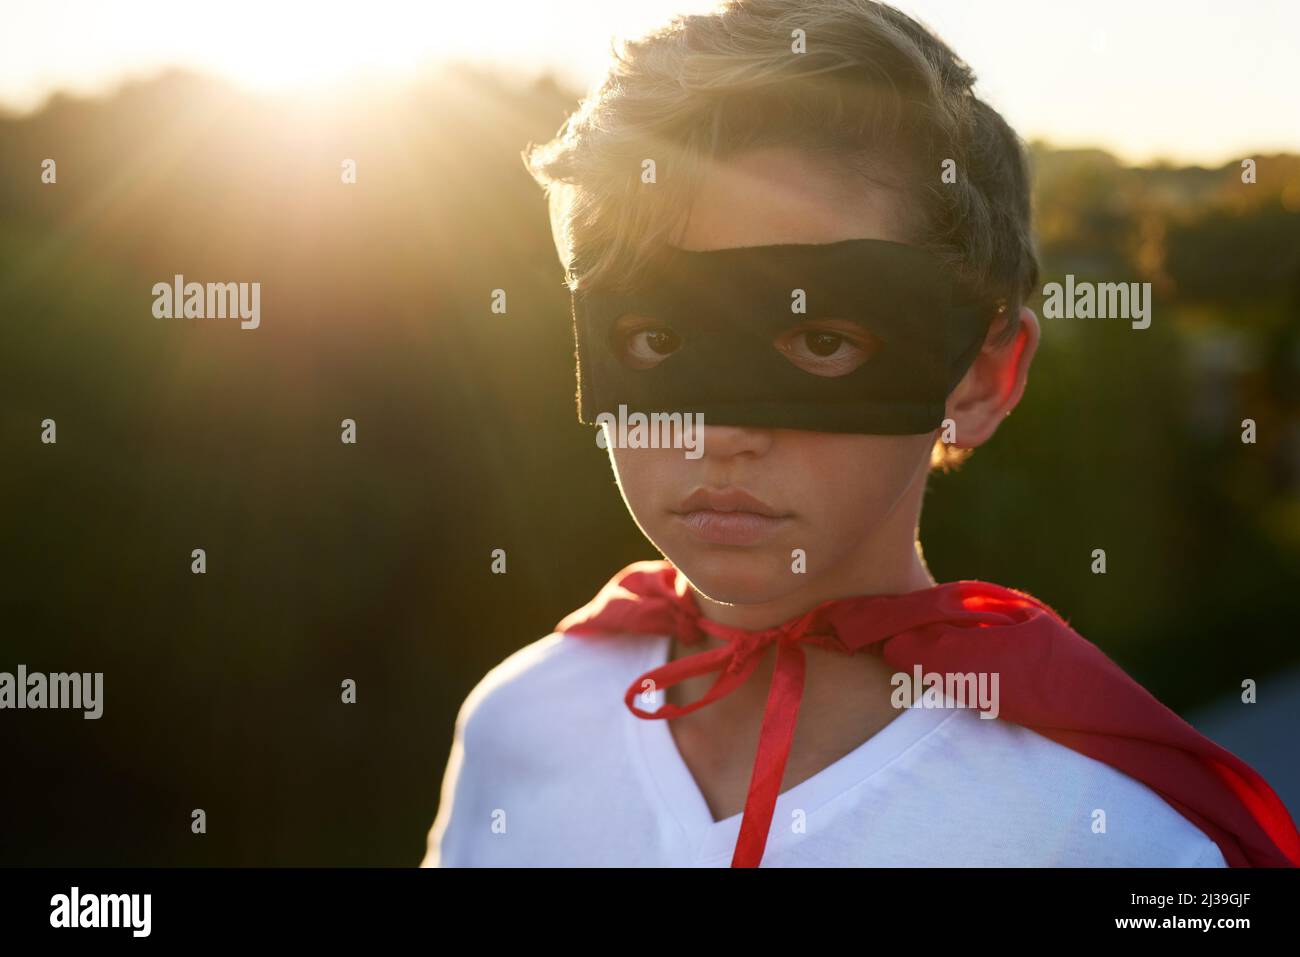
729, 499
730, 528
729, 516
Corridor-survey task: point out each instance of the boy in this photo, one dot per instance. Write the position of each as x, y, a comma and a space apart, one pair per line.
797, 221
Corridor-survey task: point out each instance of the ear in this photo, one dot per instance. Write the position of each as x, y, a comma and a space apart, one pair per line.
994, 383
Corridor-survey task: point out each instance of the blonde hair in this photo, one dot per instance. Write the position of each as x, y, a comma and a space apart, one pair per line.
874, 91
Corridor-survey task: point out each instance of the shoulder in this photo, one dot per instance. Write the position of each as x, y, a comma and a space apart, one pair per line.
554, 681
1084, 811
535, 718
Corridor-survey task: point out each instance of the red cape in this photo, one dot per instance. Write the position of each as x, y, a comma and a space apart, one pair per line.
1052, 680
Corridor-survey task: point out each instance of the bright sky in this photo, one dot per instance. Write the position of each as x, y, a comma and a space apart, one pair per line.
1188, 80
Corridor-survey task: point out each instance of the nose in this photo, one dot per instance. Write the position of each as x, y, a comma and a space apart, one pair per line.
723, 441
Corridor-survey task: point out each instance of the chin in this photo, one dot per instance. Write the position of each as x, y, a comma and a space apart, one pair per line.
737, 576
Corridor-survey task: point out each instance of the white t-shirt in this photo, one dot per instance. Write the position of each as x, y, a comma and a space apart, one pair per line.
549, 768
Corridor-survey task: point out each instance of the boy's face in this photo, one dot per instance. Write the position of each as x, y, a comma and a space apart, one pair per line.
845, 500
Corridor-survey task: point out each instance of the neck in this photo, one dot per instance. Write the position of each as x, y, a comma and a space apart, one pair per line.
907, 574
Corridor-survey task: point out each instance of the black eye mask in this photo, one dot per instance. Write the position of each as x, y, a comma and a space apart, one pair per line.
726, 309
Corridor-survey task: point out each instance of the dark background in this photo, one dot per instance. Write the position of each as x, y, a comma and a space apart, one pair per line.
372, 562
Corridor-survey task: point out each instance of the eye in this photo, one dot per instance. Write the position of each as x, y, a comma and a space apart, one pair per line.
642, 342
828, 347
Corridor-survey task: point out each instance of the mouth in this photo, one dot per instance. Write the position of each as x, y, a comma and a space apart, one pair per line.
729, 516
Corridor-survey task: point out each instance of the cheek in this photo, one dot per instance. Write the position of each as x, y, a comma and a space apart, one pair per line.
647, 478
848, 482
